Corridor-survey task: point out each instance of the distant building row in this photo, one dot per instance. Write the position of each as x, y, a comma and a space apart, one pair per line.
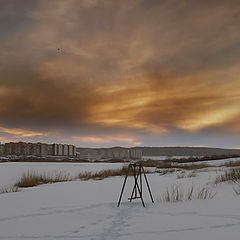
37, 149
109, 153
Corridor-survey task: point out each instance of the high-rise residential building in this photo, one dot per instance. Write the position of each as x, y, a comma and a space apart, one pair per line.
70, 150
37, 149
60, 149
135, 153
1, 149
63, 150
55, 149
43, 149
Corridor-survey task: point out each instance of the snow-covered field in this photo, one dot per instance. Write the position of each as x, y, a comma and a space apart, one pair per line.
88, 209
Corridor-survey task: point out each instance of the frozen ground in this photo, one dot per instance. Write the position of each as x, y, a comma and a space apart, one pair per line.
87, 210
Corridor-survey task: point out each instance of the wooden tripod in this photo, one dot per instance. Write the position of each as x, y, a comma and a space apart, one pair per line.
137, 192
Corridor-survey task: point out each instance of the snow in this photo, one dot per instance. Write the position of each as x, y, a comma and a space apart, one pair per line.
88, 209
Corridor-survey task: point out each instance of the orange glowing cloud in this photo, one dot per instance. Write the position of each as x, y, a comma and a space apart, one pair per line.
157, 106
107, 139
21, 132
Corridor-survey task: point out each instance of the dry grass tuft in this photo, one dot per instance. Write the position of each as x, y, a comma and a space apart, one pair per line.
9, 189
232, 174
166, 171
189, 175
236, 189
31, 179
103, 174
178, 194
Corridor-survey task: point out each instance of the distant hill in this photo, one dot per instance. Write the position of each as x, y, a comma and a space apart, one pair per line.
172, 151
186, 151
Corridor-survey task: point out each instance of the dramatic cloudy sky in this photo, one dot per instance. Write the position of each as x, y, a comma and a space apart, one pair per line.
120, 72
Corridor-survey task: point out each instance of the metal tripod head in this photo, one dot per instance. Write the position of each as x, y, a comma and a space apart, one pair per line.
132, 161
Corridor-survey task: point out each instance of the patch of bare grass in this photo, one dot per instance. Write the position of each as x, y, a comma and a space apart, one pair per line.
32, 178
231, 164
184, 167
106, 173
156, 163
103, 174
165, 164
165, 171
168, 164
189, 175
177, 194
195, 166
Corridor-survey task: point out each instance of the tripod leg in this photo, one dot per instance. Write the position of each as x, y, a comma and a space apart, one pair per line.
147, 184
141, 188
119, 201
135, 178
140, 173
140, 195
134, 188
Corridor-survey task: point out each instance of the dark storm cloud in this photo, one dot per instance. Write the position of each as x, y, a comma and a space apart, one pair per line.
110, 67
33, 101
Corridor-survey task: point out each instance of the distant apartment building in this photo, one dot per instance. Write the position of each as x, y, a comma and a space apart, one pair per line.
1, 149
63, 150
90, 154
38, 149
122, 153
35, 149
135, 153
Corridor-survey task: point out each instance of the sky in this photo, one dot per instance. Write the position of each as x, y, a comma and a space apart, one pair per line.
101, 73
